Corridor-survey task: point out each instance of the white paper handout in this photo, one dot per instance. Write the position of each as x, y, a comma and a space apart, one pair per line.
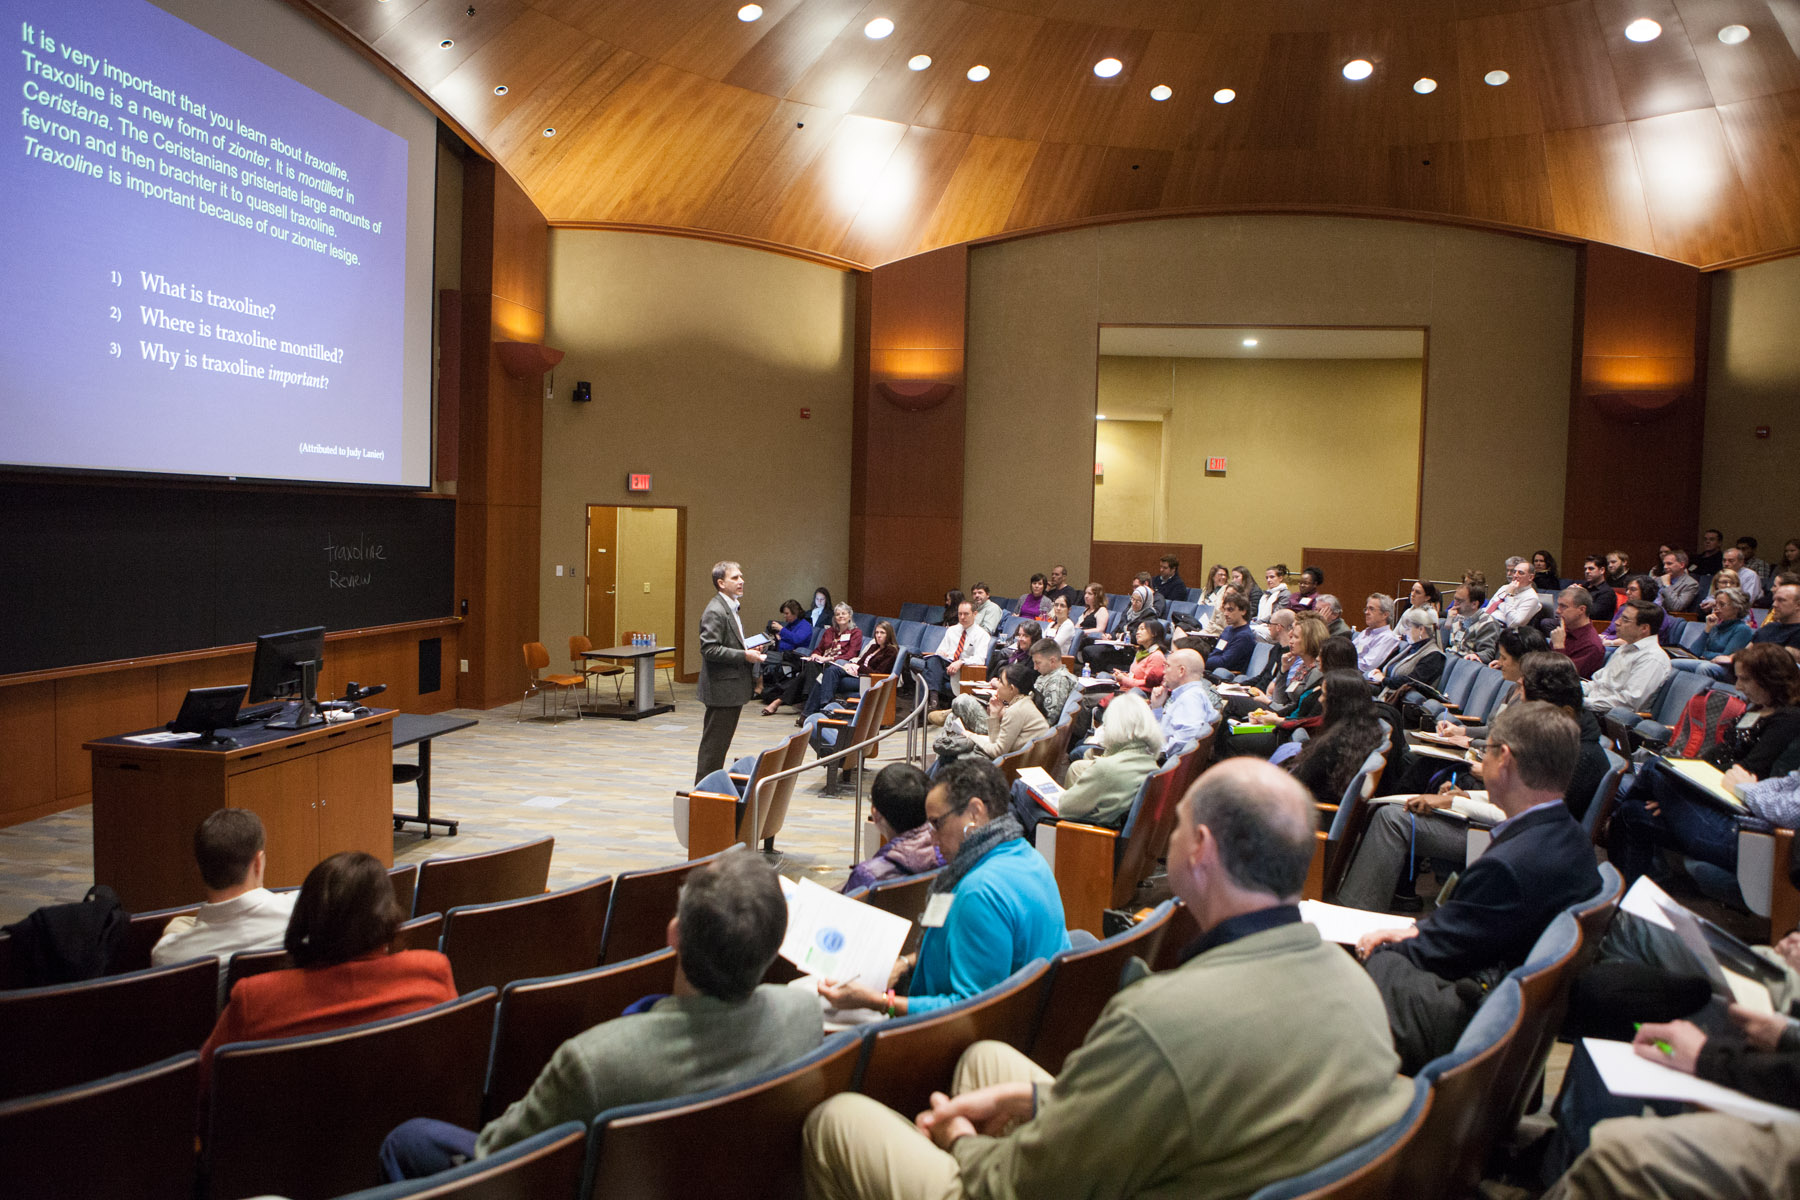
840, 939
1625, 1073
1047, 791
1336, 923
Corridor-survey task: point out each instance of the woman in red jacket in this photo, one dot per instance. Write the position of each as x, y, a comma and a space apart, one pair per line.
342, 926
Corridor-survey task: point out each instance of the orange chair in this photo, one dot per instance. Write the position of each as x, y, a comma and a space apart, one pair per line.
590, 669
536, 659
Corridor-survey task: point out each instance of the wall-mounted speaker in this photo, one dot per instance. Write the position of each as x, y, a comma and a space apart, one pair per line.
583, 392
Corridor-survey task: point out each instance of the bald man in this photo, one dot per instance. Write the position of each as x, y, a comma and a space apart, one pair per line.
1191, 1083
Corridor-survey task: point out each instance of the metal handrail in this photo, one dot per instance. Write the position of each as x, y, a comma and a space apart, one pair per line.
912, 723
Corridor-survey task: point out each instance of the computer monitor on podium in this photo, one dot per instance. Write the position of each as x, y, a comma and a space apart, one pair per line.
287, 667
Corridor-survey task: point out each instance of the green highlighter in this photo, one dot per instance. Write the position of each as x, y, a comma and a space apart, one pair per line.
1658, 1043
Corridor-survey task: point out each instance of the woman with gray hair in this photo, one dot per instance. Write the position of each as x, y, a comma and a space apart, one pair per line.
839, 644
1102, 788
1419, 660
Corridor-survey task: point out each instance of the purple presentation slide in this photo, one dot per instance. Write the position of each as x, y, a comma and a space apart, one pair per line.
207, 258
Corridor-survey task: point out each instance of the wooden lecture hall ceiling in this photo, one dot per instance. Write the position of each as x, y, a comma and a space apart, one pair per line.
800, 131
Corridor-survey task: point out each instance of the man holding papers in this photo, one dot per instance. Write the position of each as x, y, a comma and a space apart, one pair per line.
727, 680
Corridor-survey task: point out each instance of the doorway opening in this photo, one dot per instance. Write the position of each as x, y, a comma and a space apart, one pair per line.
634, 574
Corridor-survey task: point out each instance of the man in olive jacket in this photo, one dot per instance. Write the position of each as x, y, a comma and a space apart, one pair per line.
1263, 1055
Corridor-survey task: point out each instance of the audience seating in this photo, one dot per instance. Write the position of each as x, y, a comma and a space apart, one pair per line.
485, 878
70, 1033
1656, 721
1099, 868
130, 1134
304, 1117
494, 944
907, 1059
905, 898
538, 1015
1336, 844
1083, 981
142, 934
1452, 1144
741, 1141
1366, 1172
420, 933
536, 659
912, 611
1544, 982
859, 726
1177, 937
637, 920
708, 822
406, 884
545, 1167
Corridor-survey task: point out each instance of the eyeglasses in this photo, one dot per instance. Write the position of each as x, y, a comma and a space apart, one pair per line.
937, 823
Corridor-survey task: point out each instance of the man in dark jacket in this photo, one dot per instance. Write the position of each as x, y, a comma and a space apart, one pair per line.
1432, 975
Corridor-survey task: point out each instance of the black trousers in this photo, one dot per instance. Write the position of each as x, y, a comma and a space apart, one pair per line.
716, 730
1426, 1012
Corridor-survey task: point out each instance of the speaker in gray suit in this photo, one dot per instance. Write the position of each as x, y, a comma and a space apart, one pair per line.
727, 669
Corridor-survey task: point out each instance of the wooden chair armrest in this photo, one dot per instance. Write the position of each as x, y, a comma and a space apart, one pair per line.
1645, 715
1466, 719
834, 723
737, 777
1084, 873
1324, 807
1078, 828
713, 796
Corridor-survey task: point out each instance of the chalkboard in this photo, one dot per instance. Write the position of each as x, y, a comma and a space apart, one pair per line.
93, 572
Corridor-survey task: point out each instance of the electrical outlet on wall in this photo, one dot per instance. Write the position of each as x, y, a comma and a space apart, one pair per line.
646, 587
465, 666
559, 570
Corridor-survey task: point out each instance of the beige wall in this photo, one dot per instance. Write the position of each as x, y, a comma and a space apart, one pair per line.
1753, 378
1128, 497
1339, 417
1499, 313
701, 357
647, 572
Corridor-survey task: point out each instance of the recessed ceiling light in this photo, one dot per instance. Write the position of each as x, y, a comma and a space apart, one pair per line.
445, 44
918, 62
1106, 68
549, 131
1161, 91
1731, 35
1496, 78
749, 12
879, 28
1643, 30
1425, 86
977, 73
1358, 68
1099, 416
1249, 341
500, 89
1224, 96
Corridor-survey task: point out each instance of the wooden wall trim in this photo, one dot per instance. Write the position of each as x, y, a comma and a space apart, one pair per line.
1116, 563
1354, 575
722, 238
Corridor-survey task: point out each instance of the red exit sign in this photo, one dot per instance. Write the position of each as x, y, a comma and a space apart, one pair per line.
637, 483
1216, 464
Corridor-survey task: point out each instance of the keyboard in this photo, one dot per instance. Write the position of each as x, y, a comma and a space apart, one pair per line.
257, 715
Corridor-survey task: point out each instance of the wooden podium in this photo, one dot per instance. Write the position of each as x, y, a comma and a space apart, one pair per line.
318, 791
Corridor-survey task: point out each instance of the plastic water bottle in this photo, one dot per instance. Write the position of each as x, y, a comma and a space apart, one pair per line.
1087, 670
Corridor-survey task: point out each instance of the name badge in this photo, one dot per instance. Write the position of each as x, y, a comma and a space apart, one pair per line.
937, 909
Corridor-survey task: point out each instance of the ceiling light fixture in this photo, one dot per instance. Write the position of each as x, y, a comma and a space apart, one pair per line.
549, 131
749, 12
1099, 416
1250, 341
918, 62
977, 73
500, 89
1643, 30
1161, 91
879, 28
1106, 68
1425, 86
1224, 96
1496, 78
1358, 68
445, 44
1732, 35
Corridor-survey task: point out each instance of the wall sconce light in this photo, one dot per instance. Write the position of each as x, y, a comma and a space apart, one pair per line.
915, 395
1635, 408
522, 360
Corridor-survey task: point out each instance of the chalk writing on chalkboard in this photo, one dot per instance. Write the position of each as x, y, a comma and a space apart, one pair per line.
343, 554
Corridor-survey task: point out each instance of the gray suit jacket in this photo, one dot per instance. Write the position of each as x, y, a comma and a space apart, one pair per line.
726, 679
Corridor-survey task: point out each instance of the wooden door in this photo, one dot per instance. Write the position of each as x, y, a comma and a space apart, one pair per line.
602, 575
356, 796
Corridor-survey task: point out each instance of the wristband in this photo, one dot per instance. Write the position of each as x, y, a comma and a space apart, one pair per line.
890, 1002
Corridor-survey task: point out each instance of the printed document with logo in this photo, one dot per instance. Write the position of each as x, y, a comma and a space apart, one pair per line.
1045, 790
834, 937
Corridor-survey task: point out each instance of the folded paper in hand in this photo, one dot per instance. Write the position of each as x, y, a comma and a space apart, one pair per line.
840, 939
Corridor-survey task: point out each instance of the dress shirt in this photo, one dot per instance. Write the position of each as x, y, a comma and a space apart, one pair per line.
1375, 646
1063, 635
1630, 678
973, 640
1272, 599
1762, 570
1514, 604
988, 616
256, 920
1750, 585
1532, 809
735, 615
1187, 716
1679, 595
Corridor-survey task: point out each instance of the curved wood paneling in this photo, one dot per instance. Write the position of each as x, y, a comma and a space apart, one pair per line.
798, 130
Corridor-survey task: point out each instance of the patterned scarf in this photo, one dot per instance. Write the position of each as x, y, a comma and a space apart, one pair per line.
976, 843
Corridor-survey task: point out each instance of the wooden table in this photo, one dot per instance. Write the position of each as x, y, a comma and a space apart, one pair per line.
643, 682
409, 730
318, 791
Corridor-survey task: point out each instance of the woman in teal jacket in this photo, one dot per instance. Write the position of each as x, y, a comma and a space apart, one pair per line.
993, 909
